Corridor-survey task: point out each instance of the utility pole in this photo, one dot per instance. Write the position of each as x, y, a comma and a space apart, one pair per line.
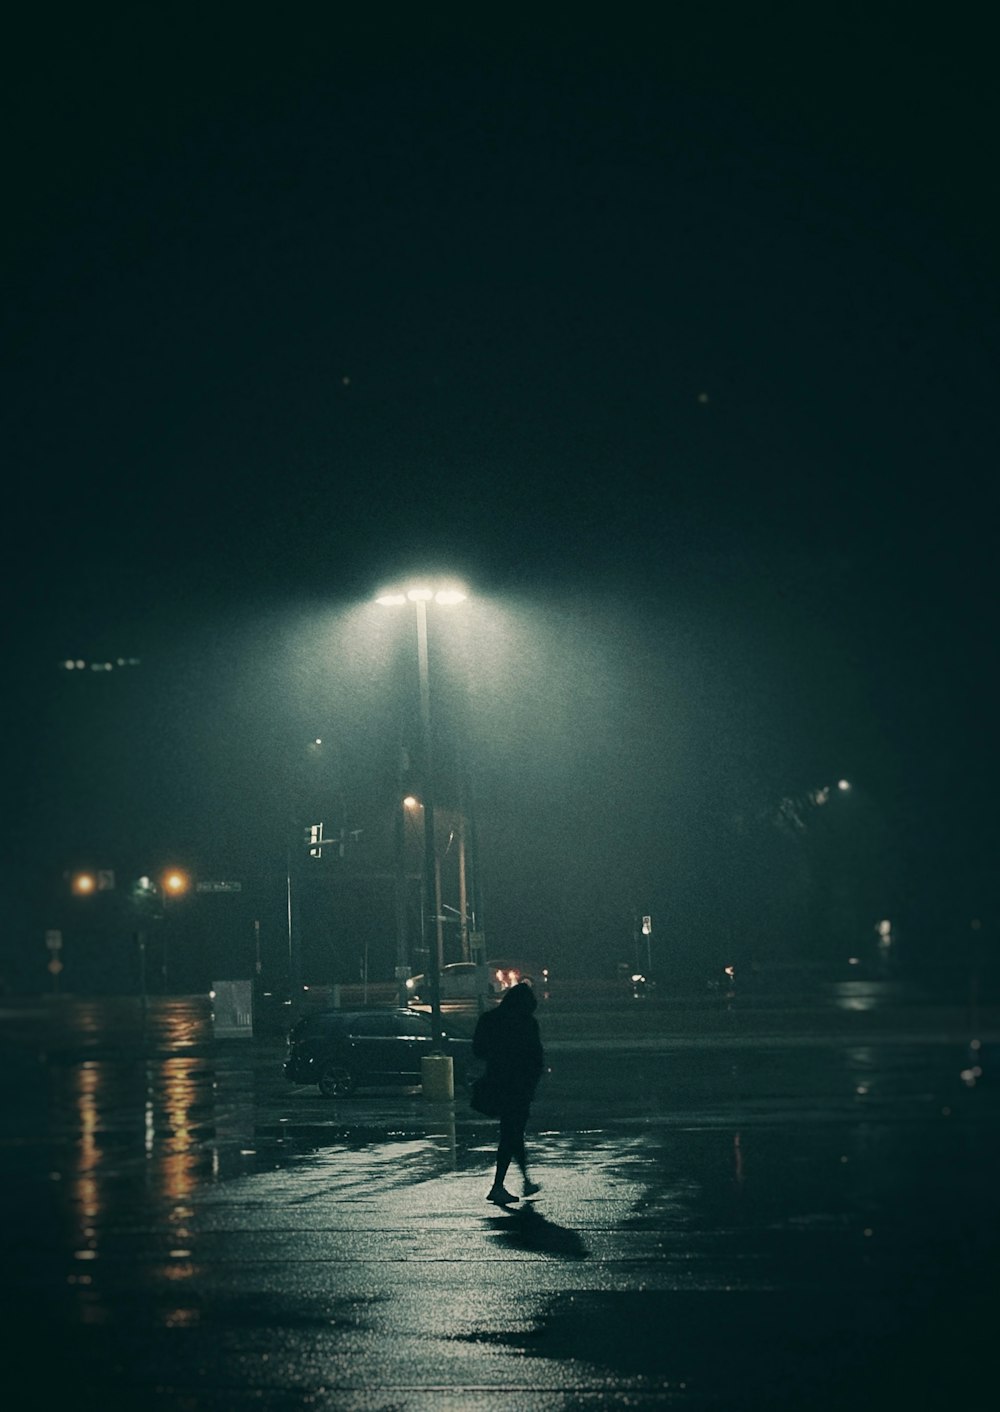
400, 890
294, 927
431, 909
477, 934
463, 896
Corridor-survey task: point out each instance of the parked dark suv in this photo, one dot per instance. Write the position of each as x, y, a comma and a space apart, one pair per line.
341, 1050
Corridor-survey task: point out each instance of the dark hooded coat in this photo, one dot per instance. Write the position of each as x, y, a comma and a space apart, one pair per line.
508, 1041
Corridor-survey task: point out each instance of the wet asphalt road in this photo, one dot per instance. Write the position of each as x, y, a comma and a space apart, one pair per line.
792, 1206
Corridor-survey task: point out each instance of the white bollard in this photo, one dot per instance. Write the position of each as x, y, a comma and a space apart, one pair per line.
437, 1077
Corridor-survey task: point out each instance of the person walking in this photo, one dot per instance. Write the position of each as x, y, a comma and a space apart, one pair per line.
507, 1039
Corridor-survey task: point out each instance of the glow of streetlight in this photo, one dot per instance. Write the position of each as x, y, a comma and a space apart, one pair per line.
84, 883
843, 785
175, 882
447, 595
411, 802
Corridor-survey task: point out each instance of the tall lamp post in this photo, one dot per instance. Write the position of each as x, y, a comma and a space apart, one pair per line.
409, 807
173, 883
794, 814
420, 596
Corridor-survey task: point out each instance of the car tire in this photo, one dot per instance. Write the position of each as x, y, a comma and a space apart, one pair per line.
335, 1080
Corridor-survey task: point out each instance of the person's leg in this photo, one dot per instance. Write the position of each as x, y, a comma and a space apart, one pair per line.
518, 1154
517, 1143
505, 1151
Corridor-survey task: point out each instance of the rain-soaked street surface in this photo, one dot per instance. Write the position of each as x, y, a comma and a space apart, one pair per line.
750, 1207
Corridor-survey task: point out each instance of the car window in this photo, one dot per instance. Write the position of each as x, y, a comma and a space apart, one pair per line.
318, 1026
413, 1026
375, 1024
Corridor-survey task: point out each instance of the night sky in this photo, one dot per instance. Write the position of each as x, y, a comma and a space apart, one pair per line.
676, 340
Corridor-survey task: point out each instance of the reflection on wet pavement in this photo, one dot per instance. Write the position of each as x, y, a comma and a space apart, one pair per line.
187, 1222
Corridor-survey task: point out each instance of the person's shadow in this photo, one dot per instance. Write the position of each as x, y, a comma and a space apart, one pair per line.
525, 1228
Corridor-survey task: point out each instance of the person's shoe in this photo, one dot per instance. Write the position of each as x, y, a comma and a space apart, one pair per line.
531, 1188
500, 1196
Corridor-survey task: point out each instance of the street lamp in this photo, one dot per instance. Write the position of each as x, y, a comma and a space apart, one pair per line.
445, 596
408, 809
173, 883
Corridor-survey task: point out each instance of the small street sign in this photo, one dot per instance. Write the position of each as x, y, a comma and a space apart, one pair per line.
218, 887
53, 940
647, 926
105, 880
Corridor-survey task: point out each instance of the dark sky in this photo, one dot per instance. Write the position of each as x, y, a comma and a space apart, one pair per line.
676, 338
